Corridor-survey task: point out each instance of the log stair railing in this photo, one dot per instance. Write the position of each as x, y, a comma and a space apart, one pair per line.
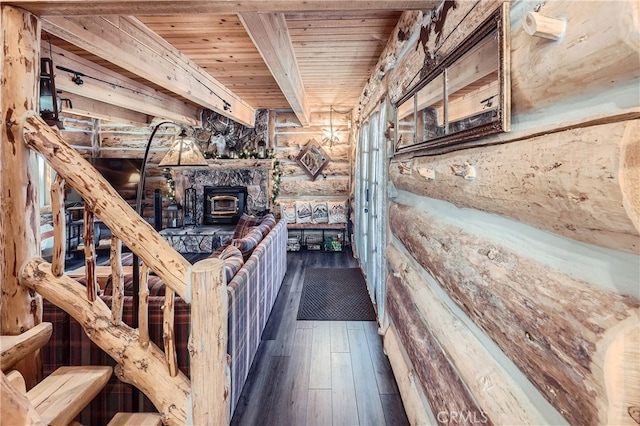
205, 398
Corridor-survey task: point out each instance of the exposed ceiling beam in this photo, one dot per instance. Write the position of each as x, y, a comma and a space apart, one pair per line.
95, 109
164, 7
129, 44
112, 88
270, 35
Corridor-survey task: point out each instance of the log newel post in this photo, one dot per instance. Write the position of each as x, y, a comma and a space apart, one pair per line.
20, 212
210, 377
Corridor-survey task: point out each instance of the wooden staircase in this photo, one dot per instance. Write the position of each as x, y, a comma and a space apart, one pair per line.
202, 398
60, 397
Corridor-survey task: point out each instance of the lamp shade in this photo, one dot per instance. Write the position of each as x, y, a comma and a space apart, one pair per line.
183, 152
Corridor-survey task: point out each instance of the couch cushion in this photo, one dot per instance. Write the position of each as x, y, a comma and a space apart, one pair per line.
248, 242
232, 258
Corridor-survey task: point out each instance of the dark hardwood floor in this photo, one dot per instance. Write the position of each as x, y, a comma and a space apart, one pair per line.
318, 372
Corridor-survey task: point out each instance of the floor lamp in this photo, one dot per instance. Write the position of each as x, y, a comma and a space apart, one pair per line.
184, 152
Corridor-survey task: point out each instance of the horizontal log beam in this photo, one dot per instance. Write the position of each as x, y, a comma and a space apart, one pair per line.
571, 182
325, 188
163, 7
592, 49
102, 110
446, 392
494, 390
131, 45
108, 205
292, 170
116, 89
413, 398
270, 35
145, 367
555, 328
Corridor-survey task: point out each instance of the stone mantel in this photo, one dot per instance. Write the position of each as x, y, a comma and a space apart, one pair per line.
248, 163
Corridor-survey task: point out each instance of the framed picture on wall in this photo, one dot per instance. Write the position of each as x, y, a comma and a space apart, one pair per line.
312, 159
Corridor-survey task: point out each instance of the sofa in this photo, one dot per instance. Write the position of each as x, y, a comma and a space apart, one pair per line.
255, 265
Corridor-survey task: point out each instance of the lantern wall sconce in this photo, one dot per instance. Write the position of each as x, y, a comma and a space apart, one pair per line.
49, 110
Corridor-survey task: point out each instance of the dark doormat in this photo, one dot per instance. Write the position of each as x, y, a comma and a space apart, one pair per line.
335, 294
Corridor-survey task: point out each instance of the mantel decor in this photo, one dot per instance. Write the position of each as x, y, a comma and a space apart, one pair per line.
312, 159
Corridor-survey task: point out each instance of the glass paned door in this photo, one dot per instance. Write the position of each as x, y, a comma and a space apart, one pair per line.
370, 227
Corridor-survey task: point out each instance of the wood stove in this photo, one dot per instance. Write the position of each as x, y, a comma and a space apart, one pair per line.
223, 204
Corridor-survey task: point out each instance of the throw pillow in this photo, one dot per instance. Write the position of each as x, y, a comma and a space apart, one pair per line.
244, 223
337, 211
248, 242
319, 213
303, 212
267, 224
233, 261
269, 219
288, 211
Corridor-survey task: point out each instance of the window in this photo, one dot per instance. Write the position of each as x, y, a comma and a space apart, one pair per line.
463, 97
45, 177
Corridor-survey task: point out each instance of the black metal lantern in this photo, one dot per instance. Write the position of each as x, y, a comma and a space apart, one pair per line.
262, 149
175, 215
190, 206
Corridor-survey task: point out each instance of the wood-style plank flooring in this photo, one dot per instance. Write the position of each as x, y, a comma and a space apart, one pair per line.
318, 372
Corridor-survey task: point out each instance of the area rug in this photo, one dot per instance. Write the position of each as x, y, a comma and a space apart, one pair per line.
335, 294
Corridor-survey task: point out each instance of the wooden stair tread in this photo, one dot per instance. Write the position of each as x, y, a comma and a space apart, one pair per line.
137, 419
15, 348
60, 397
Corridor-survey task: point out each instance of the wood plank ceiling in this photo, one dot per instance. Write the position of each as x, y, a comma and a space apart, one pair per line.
334, 51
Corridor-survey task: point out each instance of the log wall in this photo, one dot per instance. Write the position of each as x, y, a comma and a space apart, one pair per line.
290, 138
104, 139
516, 256
97, 138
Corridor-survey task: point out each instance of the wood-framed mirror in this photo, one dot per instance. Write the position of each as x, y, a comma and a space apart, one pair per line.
465, 96
312, 159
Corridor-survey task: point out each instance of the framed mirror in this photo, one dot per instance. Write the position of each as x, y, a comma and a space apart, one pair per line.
464, 96
312, 159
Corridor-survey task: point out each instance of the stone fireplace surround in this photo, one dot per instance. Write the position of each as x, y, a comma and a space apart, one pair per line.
253, 173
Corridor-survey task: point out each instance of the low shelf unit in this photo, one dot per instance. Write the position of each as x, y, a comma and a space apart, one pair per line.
317, 236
